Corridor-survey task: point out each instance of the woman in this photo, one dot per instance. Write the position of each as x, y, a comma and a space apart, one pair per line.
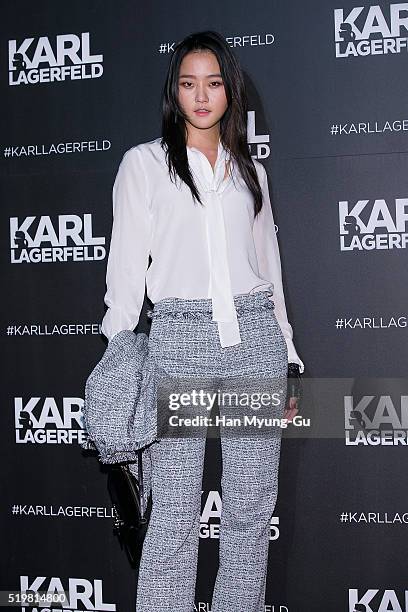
196, 202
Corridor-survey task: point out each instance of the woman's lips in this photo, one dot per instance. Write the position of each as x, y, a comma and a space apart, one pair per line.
202, 113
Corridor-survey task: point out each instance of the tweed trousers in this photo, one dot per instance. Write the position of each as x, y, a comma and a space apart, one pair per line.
184, 341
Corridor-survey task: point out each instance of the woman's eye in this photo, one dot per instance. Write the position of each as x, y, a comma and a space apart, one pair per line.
187, 83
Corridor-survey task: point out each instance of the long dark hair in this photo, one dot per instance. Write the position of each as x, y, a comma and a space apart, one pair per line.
233, 124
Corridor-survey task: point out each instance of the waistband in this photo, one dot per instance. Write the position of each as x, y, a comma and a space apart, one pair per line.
197, 308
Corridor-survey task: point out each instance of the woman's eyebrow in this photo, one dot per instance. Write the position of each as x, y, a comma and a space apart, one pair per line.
192, 76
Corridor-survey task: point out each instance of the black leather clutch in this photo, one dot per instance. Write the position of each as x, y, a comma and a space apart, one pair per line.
131, 513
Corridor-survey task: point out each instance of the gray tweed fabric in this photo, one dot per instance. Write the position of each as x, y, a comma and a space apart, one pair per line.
184, 341
119, 405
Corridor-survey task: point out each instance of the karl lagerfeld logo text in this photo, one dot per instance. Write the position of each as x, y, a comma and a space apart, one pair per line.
259, 146
82, 594
68, 238
376, 421
46, 421
378, 600
41, 60
211, 517
368, 225
371, 30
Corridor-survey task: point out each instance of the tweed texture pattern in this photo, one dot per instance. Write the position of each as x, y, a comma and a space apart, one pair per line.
184, 342
119, 406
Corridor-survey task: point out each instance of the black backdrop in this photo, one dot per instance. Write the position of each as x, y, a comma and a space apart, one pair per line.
328, 89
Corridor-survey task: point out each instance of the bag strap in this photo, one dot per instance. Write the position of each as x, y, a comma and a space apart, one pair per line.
140, 471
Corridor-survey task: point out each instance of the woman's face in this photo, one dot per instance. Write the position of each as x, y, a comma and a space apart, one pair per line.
201, 87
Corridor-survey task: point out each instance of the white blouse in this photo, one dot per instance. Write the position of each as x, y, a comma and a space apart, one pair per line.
213, 251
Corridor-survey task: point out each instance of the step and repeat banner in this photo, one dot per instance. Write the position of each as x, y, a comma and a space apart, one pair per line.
327, 82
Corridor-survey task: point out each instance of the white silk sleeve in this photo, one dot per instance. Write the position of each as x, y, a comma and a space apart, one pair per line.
129, 247
269, 262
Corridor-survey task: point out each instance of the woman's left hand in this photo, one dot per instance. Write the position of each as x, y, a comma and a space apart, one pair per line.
293, 392
291, 409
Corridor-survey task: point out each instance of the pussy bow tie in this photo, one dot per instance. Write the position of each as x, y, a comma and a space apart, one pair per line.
212, 185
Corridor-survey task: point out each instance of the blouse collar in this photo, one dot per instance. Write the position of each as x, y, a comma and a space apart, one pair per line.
209, 179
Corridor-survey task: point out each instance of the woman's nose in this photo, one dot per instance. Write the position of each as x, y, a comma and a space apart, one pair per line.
201, 96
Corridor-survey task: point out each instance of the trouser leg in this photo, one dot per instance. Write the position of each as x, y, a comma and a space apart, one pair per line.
168, 567
249, 486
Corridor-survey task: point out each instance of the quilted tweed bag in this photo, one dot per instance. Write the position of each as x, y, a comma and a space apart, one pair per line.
119, 411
